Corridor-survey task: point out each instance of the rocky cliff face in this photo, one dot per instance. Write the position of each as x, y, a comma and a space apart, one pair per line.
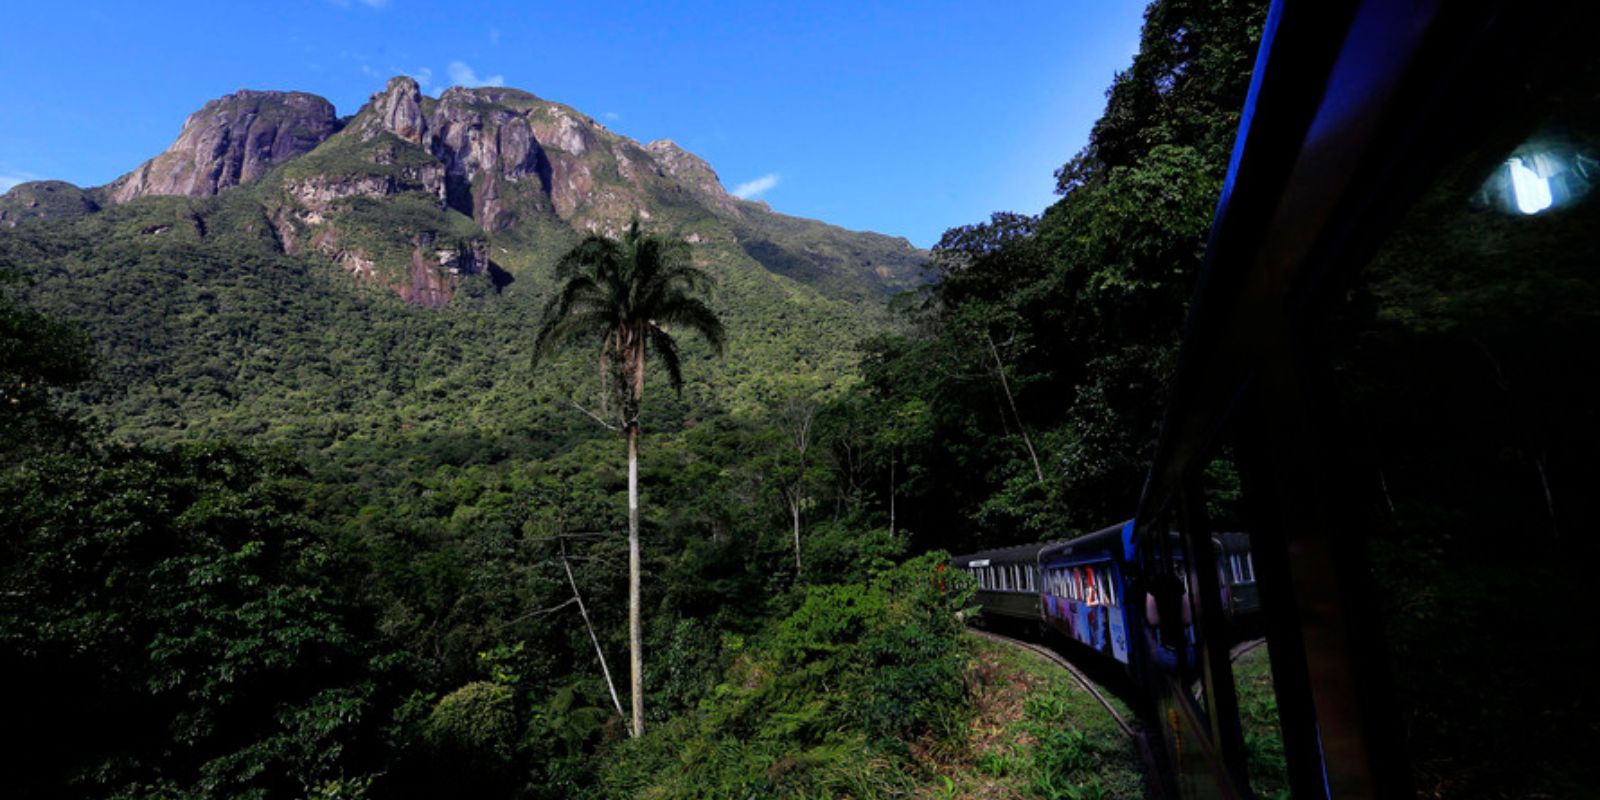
232, 140
507, 153
693, 172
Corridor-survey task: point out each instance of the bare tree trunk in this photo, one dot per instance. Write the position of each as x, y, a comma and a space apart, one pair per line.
1549, 497
635, 623
891, 491
794, 512
589, 626
1023, 429
797, 417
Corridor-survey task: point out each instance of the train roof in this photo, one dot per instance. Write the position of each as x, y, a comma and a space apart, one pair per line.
1005, 555
1105, 538
1032, 552
1232, 542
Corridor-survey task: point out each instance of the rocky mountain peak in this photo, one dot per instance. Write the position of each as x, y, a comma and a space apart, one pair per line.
414, 190
692, 170
232, 140
399, 109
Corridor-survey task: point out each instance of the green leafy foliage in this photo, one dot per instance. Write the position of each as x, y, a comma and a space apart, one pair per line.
181, 600
825, 698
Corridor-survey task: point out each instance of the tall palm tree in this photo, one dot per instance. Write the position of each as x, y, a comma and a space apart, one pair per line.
628, 294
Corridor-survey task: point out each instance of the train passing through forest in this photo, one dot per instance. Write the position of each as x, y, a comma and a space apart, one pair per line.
1366, 122
1080, 588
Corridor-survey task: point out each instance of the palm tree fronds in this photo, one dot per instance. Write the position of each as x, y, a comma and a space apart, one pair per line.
667, 350
694, 314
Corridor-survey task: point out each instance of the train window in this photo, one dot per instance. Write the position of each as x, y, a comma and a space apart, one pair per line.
1243, 571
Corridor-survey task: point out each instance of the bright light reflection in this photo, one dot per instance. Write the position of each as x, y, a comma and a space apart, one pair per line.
1530, 192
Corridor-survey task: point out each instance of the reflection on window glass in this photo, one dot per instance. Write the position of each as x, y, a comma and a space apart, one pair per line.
1545, 173
1466, 359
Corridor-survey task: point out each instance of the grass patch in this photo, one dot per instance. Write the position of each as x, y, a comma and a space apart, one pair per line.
1258, 716
1034, 733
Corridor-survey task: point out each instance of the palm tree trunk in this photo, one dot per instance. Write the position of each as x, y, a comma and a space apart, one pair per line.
635, 624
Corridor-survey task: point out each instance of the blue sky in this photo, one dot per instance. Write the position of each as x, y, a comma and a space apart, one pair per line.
905, 118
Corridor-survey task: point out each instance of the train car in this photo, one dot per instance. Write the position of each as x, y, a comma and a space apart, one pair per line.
1236, 570
1087, 581
1008, 581
1080, 588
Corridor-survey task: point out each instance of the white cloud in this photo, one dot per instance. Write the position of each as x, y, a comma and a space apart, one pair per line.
611, 116
463, 75
11, 176
374, 3
753, 189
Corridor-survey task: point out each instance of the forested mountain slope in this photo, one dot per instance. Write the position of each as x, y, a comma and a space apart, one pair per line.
283, 274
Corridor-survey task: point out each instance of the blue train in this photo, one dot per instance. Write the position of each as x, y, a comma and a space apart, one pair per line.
1081, 588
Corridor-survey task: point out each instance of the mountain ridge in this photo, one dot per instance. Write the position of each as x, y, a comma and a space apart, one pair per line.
383, 192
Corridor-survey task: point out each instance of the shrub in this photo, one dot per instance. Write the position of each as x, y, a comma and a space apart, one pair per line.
478, 720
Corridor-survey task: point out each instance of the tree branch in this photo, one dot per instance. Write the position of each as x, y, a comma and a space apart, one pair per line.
596, 417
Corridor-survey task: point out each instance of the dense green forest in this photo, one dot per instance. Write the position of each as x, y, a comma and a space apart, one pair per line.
272, 532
